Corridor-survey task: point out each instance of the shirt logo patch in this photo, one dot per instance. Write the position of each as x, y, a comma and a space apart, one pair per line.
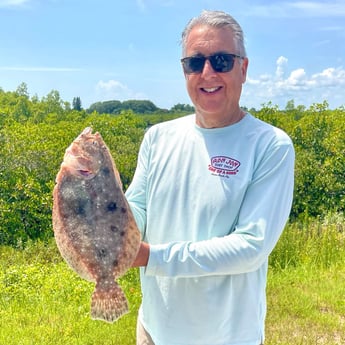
223, 166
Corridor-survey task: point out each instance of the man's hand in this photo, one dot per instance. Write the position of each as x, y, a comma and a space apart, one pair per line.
142, 256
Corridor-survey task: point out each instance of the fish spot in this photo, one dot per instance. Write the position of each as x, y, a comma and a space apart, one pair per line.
122, 233
114, 228
115, 263
106, 170
111, 207
74, 236
81, 207
123, 210
102, 253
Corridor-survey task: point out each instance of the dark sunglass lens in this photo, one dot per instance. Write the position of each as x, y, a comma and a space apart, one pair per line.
222, 62
193, 64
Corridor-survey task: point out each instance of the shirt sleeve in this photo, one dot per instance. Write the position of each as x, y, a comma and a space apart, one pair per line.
136, 192
262, 218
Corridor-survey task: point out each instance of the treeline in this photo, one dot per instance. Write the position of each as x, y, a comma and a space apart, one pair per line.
53, 101
137, 106
35, 133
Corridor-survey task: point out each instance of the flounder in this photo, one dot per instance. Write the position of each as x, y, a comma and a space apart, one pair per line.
94, 228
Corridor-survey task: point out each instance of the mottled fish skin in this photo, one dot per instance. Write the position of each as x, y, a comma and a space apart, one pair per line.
94, 228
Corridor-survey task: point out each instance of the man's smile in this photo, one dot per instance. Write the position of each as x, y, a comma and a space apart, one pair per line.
211, 89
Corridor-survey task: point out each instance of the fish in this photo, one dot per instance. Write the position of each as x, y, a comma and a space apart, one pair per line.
94, 228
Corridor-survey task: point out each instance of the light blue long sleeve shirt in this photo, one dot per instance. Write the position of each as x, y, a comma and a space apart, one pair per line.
212, 204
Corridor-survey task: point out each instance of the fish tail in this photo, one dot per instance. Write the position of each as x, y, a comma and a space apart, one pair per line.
108, 303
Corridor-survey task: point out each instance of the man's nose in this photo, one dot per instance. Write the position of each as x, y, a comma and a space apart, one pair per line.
208, 69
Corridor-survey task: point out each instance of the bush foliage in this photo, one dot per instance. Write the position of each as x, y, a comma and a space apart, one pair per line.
35, 133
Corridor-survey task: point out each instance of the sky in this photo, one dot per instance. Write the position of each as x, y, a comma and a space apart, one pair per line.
102, 50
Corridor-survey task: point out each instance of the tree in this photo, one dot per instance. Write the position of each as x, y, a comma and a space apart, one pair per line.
290, 105
76, 104
139, 106
182, 108
116, 107
22, 90
106, 107
53, 103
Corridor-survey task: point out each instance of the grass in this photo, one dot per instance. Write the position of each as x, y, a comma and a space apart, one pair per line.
42, 301
306, 285
306, 306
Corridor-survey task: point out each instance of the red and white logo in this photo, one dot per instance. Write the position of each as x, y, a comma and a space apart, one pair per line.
224, 166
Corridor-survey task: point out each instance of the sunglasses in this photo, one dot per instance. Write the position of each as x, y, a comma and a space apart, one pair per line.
220, 62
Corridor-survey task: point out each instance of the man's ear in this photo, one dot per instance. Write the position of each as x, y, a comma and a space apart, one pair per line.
244, 68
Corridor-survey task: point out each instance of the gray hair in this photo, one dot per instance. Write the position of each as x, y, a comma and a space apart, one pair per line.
216, 19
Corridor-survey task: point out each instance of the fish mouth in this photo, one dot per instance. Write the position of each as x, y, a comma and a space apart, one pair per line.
85, 173
82, 158
80, 165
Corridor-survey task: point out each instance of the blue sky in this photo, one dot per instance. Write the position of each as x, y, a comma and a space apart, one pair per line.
105, 49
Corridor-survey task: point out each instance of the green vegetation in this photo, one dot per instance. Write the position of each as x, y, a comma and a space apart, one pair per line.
42, 301
306, 289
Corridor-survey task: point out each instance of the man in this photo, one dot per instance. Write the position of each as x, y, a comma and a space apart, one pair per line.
211, 194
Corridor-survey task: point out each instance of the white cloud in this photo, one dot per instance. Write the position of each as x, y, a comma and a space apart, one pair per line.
332, 28
144, 5
296, 84
115, 90
296, 79
141, 4
335, 8
111, 86
320, 9
40, 69
281, 63
13, 3
329, 77
322, 43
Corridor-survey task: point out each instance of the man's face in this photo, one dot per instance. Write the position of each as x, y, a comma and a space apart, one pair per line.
215, 95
